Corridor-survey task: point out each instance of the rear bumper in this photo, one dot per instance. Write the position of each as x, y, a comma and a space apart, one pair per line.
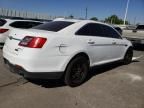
3, 38
33, 61
32, 75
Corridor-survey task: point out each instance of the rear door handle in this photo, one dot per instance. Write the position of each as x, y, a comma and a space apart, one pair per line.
91, 42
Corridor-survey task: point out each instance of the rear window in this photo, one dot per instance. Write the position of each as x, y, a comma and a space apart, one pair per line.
2, 22
140, 27
24, 24
54, 26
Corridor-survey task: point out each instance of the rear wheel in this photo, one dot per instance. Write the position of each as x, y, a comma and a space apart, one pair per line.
128, 56
76, 71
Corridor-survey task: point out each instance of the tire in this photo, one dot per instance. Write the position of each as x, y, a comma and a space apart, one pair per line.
128, 56
76, 71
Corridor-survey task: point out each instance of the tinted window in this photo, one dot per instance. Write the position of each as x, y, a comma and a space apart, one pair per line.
119, 30
24, 24
54, 26
140, 27
91, 29
110, 32
2, 22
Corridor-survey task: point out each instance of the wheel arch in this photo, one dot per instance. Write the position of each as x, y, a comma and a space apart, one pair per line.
77, 55
81, 54
129, 59
128, 48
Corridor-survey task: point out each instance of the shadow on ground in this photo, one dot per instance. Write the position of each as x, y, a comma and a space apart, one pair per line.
49, 83
93, 72
103, 68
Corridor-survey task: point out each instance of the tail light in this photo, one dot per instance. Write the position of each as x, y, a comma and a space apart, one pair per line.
33, 42
2, 30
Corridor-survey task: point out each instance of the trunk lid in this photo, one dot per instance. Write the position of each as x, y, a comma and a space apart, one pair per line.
16, 35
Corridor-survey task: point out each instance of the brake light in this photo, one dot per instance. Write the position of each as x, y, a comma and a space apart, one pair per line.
32, 42
2, 30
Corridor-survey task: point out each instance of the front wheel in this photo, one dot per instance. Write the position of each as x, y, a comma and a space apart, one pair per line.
76, 71
128, 56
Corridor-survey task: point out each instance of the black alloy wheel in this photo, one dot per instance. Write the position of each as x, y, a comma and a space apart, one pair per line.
128, 56
76, 71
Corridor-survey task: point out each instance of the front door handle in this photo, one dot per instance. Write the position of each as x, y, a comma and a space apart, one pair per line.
63, 45
114, 43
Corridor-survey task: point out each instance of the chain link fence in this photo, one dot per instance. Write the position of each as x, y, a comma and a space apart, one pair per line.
24, 14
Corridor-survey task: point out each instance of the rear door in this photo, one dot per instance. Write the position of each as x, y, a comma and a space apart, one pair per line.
98, 47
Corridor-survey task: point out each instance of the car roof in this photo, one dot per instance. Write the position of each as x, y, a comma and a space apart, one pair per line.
13, 20
68, 20
79, 20
77, 24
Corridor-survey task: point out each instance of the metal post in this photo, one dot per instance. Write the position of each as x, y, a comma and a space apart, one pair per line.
126, 11
134, 20
86, 13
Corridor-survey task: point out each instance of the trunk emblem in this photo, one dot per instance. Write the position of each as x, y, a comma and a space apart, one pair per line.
10, 37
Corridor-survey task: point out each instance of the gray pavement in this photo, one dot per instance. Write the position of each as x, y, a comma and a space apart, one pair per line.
6, 77
131, 34
108, 86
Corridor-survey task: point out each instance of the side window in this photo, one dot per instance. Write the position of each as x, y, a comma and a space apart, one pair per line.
24, 24
2, 22
110, 32
91, 29
96, 30
85, 30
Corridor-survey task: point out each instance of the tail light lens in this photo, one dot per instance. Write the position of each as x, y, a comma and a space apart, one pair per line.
2, 30
33, 42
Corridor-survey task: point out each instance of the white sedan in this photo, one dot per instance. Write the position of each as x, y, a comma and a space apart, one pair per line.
8, 24
65, 48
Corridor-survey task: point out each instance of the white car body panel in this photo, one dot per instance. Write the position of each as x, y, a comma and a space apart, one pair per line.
61, 47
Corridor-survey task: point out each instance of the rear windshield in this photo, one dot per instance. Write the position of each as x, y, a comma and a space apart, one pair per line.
54, 26
140, 27
24, 24
2, 22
